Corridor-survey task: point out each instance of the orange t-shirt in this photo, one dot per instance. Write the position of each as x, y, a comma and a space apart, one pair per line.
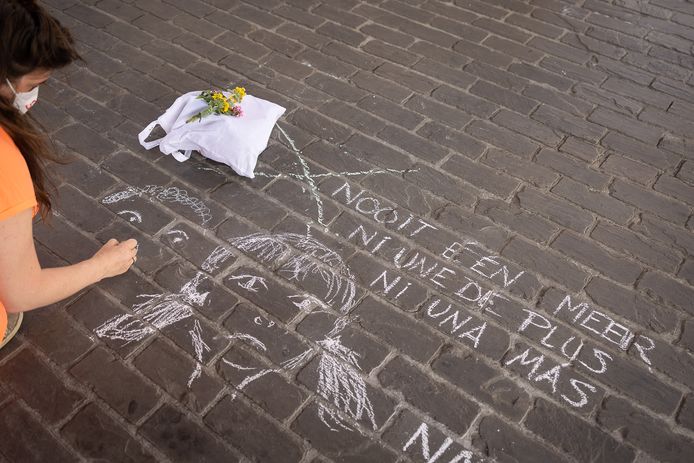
16, 192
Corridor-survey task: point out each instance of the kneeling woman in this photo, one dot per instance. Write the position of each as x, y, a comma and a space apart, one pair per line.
32, 45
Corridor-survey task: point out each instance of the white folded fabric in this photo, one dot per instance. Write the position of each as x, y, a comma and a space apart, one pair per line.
234, 141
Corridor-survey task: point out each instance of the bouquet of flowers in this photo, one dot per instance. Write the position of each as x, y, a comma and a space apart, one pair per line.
220, 104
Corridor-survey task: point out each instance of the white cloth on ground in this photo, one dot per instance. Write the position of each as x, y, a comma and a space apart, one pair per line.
234, 141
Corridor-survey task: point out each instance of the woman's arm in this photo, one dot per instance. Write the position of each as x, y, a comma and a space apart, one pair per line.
24, 285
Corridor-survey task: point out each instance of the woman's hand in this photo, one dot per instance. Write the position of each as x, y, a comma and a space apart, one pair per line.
115, 258
26, 286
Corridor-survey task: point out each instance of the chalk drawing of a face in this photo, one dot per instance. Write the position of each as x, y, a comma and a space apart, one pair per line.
339, 381
298, 257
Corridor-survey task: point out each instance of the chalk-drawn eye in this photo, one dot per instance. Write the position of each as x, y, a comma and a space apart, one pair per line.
300, 257
250, 282
132, 216
261, 321
307, 302
177, 236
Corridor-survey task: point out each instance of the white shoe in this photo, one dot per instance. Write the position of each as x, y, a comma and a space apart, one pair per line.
14, 320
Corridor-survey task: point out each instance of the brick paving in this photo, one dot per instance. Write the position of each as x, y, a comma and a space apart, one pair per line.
471, 240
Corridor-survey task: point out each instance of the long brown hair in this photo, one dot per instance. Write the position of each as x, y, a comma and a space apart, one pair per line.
31, 39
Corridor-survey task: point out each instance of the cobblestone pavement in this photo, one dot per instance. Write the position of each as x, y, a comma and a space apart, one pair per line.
470, 238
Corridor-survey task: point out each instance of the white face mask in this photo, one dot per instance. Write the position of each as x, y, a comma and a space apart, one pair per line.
25, 100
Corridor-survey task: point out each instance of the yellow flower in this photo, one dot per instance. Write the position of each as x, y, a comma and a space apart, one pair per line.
226, 107
218, 96
240, 91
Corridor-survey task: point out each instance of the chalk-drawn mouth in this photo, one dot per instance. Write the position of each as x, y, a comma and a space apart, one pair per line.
177, 237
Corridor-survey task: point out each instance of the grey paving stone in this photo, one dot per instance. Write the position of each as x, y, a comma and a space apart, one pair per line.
598, 202
428, 395
562, 429
500, 441
51, 398
586, 252
233, 419
172, 370
51, 331
483, 382
663, 288
534, 227
132, 397
545, 262
178, 436
645, 433
397, 330
36, 443
339, 446
111, 441
263, 390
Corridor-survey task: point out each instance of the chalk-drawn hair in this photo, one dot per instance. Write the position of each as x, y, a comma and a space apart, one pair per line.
340, 384
300, 256
171, 194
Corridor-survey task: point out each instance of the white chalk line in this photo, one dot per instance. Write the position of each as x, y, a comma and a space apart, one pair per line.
218, 256
337, 174
309, 180
200, 347
164, 194
161, 310
339, 379
134, 215
257, 343
178, 236
250, 282
313, 259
